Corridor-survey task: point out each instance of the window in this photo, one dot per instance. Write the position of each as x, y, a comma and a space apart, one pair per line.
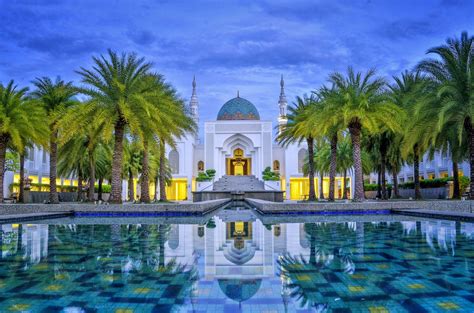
200, 166
45, 156
302, 154
174, 161
276, 166
30, 154
277, 230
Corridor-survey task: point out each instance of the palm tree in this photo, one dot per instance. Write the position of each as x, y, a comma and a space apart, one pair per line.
410, 92
132, 165
55, 97
344, 161
453, 70
116, 86
19, 119
86, 131
165, 117
321, 162
331, 129
360, 103
299, 129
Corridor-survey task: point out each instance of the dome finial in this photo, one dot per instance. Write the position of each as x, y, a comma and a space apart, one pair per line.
238, 96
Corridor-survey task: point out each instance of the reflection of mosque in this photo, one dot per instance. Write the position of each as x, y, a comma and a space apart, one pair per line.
31, 239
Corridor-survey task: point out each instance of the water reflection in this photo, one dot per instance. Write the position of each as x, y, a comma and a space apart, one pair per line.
233, 261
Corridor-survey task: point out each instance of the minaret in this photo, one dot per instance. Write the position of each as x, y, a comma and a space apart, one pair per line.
194, 104
282, 104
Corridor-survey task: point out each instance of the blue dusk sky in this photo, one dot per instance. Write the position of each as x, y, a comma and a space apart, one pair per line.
229, 45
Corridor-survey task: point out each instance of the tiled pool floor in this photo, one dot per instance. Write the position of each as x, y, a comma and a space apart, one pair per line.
234, 263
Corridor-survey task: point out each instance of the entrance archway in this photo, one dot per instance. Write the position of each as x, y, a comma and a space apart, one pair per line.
238, 165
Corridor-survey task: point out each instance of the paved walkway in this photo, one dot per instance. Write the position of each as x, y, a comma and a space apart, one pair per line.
31, 216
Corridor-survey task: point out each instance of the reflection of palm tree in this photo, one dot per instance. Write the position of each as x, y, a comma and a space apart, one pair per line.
298, 273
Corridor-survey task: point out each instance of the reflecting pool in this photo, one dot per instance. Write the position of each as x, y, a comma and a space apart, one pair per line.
238, 262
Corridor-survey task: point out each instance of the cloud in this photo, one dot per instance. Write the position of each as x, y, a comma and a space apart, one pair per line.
143, 37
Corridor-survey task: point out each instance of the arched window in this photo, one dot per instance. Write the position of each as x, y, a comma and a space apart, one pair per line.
174, 161
301, 158
276, 166
173, 237
200, 166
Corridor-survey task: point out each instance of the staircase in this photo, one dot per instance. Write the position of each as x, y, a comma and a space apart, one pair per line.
239, 183
239, 256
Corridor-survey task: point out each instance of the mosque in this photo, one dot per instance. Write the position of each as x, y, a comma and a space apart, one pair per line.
239, 143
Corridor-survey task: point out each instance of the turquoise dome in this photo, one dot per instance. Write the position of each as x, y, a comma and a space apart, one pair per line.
238, 109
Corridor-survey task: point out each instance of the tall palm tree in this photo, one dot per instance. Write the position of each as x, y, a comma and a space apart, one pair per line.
331, 129
360, 103
86, 131
19, 119
299, 129
165, 117
55, 96
453, 70
412, 91
116, 85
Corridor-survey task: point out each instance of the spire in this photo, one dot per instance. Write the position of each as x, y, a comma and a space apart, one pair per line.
282, 103
194, 104
238, 96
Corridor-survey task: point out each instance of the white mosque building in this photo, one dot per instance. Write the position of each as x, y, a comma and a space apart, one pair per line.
238, 142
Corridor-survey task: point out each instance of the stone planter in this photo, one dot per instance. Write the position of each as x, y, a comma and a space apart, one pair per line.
204, 186
272, 185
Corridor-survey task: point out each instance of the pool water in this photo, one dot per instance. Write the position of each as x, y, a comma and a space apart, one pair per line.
238, 262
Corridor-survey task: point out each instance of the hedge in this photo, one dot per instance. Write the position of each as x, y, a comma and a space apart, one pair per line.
105, 188
424, 183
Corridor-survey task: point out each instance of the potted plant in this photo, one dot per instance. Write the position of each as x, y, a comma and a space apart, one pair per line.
271, 179
205, 179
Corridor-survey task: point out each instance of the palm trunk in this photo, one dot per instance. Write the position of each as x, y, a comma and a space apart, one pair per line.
396, 192
457, 189
99, 191
379, 183
21, 196
116, 193
312, 248
162, 172
91, 196
354, 130
155, 198
145, 179
53, 158
321, 185
383, 166
131, 187
416, 172
470, 128
332, 167
344, 188
3, 155
79, 186
312, 192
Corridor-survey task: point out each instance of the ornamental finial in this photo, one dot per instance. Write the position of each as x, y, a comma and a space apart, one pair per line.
238, 96
282, 82
194, 81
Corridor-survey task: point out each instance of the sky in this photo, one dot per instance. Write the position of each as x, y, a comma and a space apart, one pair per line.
229, 45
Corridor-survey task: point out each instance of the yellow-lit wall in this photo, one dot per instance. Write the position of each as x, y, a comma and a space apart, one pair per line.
178, 190
299, 187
